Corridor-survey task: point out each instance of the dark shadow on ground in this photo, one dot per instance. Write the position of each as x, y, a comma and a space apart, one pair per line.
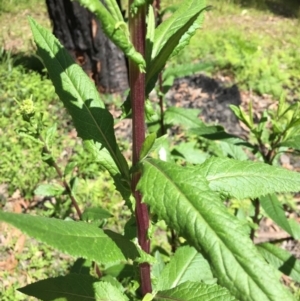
284, 8
212, 96
30, 62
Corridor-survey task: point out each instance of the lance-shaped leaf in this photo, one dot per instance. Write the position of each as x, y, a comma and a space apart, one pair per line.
187, 264
281, 260
92, 120
95, 214
116, 31
217, 132
105, 291
182, 197
103, 157
75, 238
192, 291
150, 34
246, 179
147, 145
49, 190
114, 10
172, 35
275, 211
295, 228
182, 116
292, 142
190, 152
72, 287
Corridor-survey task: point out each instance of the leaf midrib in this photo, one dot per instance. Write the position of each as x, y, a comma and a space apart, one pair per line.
209, 226
184, 269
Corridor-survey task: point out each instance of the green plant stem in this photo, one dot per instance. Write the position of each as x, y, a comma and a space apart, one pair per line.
64, 182
137, 27
268, 157
265, 154
70, 194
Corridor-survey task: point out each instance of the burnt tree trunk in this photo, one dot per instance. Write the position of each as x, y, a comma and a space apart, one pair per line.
81, 34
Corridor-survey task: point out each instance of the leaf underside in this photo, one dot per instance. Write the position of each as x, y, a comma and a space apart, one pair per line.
73, 287
281, 260
187, 264
275, 211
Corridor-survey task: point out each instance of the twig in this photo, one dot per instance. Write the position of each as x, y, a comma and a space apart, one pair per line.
69, 192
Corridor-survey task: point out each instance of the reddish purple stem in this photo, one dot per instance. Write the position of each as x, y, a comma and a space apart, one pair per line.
137, 27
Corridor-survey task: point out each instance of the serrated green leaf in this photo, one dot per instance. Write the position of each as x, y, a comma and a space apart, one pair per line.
245, 179
105, 291
292, 142
159, 143
114, 10
81, 266
151, 115
187, 264
78, 239
112, 280
130, 228
150, 34
50, 135
217, 132
262, 123
275, 211
148, 297
114, 31
49, 190
157, 267
181, 196
172, 35
69, 168
74, 184
102, 156
190, 153
29, 136
95, 214
147, 145
281, 260
241, 115
295, 228
188, 118
128, 248
191, 291
232, 150
185, 39
186, 69
72, 287
120, 271
92, 121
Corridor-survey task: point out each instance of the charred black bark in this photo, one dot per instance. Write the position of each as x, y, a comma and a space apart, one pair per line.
81, 33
